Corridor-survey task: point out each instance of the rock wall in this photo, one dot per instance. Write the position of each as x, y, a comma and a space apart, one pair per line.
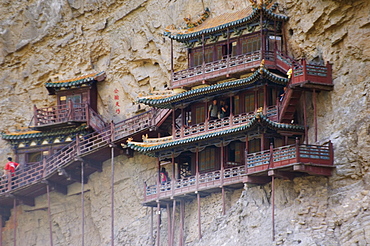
49, 40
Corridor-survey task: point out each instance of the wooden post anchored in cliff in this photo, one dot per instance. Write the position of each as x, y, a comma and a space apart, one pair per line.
273, 207
173, 222
158, 223
222, 177
112, 193
49, 214
15, 222
182, 218
82, 205
1, 230
168, 224
151, 226
199, 218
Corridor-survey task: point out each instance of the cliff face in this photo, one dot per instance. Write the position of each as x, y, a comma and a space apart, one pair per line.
51, 40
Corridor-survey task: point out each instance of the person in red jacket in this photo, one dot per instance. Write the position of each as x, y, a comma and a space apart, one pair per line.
9, 170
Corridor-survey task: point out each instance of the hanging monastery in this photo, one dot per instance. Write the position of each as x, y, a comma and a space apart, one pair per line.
238, 67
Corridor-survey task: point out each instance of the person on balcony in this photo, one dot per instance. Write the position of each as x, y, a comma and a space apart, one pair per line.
9, 170
213, 110
164, 176
224, 111
282, 94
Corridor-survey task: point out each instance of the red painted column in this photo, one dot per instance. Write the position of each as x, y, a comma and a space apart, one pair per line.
315, 113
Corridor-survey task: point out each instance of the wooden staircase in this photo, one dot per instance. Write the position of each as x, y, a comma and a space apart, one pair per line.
289, 105
65, 167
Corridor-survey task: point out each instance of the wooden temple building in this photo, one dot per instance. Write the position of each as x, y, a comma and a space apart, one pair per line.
238, 114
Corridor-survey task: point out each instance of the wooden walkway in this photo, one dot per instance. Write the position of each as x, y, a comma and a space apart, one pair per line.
286, 161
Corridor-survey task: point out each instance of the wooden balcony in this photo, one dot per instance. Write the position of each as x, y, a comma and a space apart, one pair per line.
311, 159
292, 160
312, 76
187, 187
237, 65
223, 123
67, 114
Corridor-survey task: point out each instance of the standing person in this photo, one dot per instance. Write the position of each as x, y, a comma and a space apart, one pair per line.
224, 112
213, 110
164, 176
9, 170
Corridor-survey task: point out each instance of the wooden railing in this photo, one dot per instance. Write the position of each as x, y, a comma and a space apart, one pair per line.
313, 73
321, 155
60, 114
192, 183
81, 146
234, 64
138, 123
219, 124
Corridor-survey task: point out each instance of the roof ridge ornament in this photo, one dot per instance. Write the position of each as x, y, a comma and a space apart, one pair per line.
202, 17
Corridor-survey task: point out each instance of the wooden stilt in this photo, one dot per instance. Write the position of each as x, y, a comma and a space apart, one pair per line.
169, 224
15, 222
173, 222
223, 201
1, 230
273, 207
82, 206
151, 226
158, 223
49, 215
199, 218
182, 218
112, 194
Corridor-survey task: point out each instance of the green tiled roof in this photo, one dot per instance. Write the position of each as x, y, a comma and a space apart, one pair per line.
252, 17
43, 134
94, 77
259, 118
168, 102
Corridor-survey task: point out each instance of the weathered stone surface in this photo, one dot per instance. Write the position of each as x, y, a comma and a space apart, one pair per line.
49, 40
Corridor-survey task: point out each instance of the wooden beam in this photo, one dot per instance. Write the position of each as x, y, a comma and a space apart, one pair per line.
257, 179
30, 201
281, 174
314, 170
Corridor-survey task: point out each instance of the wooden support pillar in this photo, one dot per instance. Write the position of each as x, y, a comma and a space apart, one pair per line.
315, 113
158, 223
173, 122
1, 230
169, 227
173, 179
15, 222
49, 216
264, 99
182, 220
151, 226
223, 176
305, 117
245, 154
273, 207
112, 194
173, 222
82, 207
199, 218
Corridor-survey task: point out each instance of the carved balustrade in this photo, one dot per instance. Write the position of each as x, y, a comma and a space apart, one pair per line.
223, 123
61, 114
189, 184
234, 64
317, 155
